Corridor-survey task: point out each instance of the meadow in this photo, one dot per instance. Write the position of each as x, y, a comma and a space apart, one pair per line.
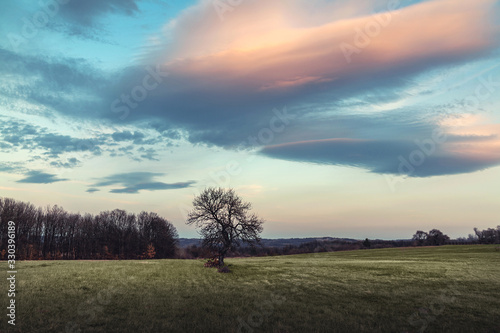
424, 289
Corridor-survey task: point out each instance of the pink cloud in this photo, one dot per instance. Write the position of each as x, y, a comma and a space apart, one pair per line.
273, 45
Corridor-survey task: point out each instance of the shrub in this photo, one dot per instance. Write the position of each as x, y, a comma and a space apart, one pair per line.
224, 269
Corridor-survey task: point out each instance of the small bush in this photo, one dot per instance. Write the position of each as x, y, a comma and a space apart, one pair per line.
224, 269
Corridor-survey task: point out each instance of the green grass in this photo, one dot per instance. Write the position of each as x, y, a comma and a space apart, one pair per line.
437, 289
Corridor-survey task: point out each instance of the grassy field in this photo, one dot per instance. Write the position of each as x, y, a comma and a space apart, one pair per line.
434, 289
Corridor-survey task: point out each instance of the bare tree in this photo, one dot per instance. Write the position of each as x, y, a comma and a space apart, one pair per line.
224, 221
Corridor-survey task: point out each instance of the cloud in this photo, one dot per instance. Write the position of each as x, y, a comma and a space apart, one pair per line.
35, 79
218, 83
275, 50
74, 30
92, 190
265, 57
222, 88
70, 163
5, 146
440, 155
16, 133
152, 187
133, 182
148, 154
57, 149
57, 144
86, 12
38, 177
7, 167
137, 137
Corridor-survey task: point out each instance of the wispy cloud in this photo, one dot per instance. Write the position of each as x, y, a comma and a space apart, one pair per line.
38, 177
133, 182
87, 12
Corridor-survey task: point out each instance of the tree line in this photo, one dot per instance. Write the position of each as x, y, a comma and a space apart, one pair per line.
487, 236
316, 246
53, 233
436, 237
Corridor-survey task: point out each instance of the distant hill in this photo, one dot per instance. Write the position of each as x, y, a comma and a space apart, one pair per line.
276, 242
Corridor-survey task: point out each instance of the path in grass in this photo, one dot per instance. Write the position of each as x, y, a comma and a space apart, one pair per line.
441, 289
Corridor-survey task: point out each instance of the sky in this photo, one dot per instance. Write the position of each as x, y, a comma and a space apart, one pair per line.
359, 119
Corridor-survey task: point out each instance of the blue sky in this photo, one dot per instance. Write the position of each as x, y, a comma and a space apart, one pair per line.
334, 118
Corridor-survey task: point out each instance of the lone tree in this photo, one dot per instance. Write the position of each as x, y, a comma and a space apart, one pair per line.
224, 221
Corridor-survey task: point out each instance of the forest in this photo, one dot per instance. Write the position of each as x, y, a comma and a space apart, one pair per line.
53, 233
